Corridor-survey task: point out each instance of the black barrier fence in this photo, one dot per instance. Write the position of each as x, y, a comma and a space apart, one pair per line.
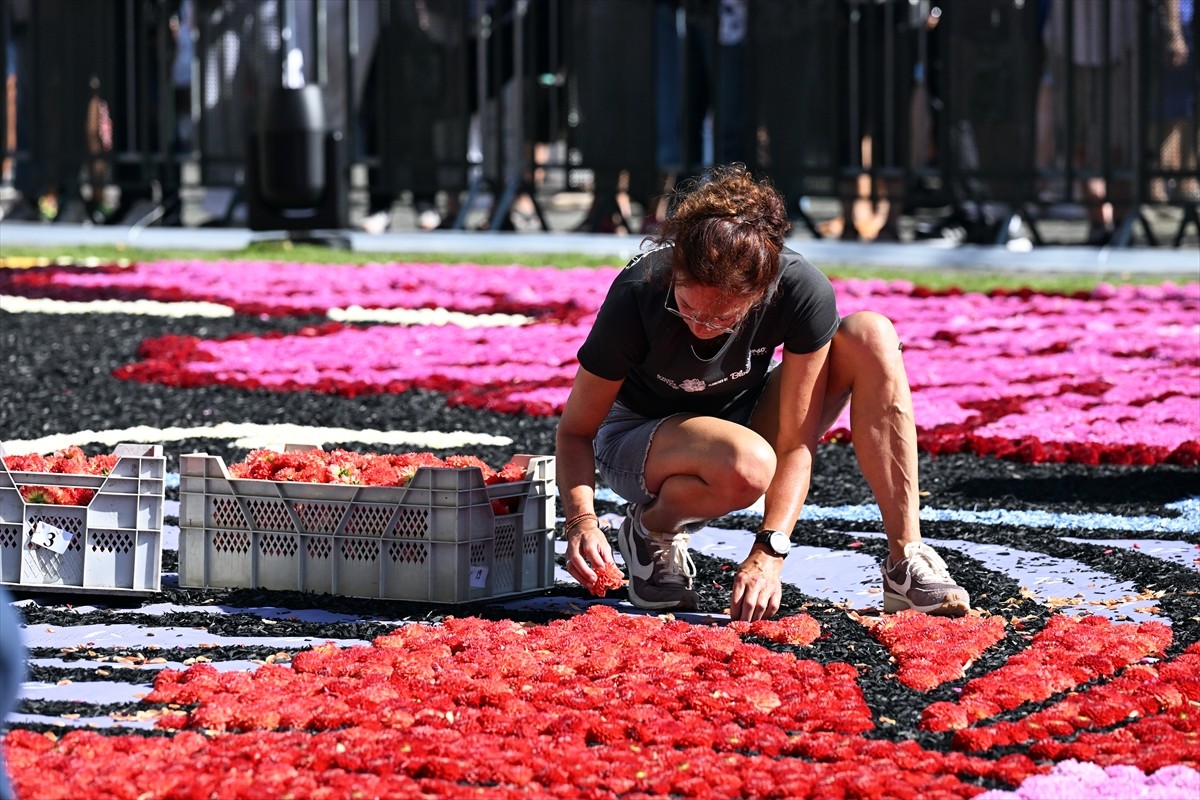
992, 113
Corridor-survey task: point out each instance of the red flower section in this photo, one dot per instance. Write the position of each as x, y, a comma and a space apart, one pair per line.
1151, 743
1033, 450
602, 705
429, 762
1067, 652
1165, 692
798, 629
931, 650
68, 461
474, 669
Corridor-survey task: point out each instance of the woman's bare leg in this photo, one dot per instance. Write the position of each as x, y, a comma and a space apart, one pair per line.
866, 370
701, 468
866, 364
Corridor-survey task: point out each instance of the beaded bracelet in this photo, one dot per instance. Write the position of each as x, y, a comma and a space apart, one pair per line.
575, 520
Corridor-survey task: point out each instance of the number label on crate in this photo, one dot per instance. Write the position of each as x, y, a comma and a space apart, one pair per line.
50, 537
479, 577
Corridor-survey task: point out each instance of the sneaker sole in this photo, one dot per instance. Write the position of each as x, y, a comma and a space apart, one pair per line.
628, 556
950, 607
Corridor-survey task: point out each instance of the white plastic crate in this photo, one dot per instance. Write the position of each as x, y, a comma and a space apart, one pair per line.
435, 540
115, 542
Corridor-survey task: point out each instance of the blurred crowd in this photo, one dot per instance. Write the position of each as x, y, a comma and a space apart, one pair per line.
981, 114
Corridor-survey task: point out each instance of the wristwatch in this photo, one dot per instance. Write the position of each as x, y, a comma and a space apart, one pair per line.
776, 542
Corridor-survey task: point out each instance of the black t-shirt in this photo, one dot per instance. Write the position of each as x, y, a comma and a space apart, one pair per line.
637, 340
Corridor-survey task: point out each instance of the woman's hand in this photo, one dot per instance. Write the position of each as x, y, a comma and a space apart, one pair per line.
587, 550
757, 588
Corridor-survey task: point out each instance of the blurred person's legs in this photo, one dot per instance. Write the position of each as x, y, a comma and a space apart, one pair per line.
875, 129
10, 112
1106, 198
1180, 146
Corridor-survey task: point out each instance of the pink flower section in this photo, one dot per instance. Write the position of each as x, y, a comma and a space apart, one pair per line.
1113, 375
1119, 368
280, 289
1078, 779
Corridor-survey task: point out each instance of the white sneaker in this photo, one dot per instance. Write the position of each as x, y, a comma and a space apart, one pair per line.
921, 581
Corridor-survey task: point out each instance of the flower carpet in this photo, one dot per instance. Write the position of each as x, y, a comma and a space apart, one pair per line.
1060, 476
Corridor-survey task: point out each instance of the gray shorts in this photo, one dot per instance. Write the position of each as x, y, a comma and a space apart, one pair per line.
623, 442
621, 446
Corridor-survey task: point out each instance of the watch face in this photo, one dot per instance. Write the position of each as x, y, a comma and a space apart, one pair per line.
777, 542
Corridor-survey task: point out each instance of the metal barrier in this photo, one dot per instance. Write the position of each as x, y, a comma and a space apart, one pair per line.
611, 93
994, 113
422, 87
988, 88
797, 122
79, 92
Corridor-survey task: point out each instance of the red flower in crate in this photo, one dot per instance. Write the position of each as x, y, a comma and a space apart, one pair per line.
57, 495
27, 463
369, 469
489, 474
68, 461
102, 464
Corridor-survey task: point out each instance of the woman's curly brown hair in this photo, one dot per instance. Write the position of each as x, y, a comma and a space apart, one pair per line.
728, 229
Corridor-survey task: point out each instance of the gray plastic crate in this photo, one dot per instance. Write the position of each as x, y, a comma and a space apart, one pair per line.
435, 540
116, 540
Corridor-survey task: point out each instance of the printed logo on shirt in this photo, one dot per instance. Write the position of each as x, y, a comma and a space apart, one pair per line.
692, 385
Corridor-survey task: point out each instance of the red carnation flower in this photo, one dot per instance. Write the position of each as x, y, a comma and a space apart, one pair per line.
608, 577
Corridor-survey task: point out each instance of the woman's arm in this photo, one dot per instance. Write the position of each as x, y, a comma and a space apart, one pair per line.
590, 400
802, 382
801, 400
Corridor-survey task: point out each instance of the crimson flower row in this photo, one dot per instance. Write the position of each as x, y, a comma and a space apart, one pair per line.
1068, 651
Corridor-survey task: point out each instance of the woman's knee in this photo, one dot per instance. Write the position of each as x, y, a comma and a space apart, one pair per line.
744, 471
752, 469
733, 461
868, 333
866, 347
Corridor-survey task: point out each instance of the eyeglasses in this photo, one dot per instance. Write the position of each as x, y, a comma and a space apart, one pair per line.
735, 318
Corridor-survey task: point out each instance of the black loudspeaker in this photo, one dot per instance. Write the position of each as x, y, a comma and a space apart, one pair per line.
295, 177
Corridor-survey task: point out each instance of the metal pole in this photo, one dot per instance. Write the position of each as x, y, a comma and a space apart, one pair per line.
1106, 81
320, 14
510, 124
854, 147
167, 123
483, 32
1067, 30
352, 117
717, 91
131, 70
287, 36
194, 96
553, 57
889, 91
